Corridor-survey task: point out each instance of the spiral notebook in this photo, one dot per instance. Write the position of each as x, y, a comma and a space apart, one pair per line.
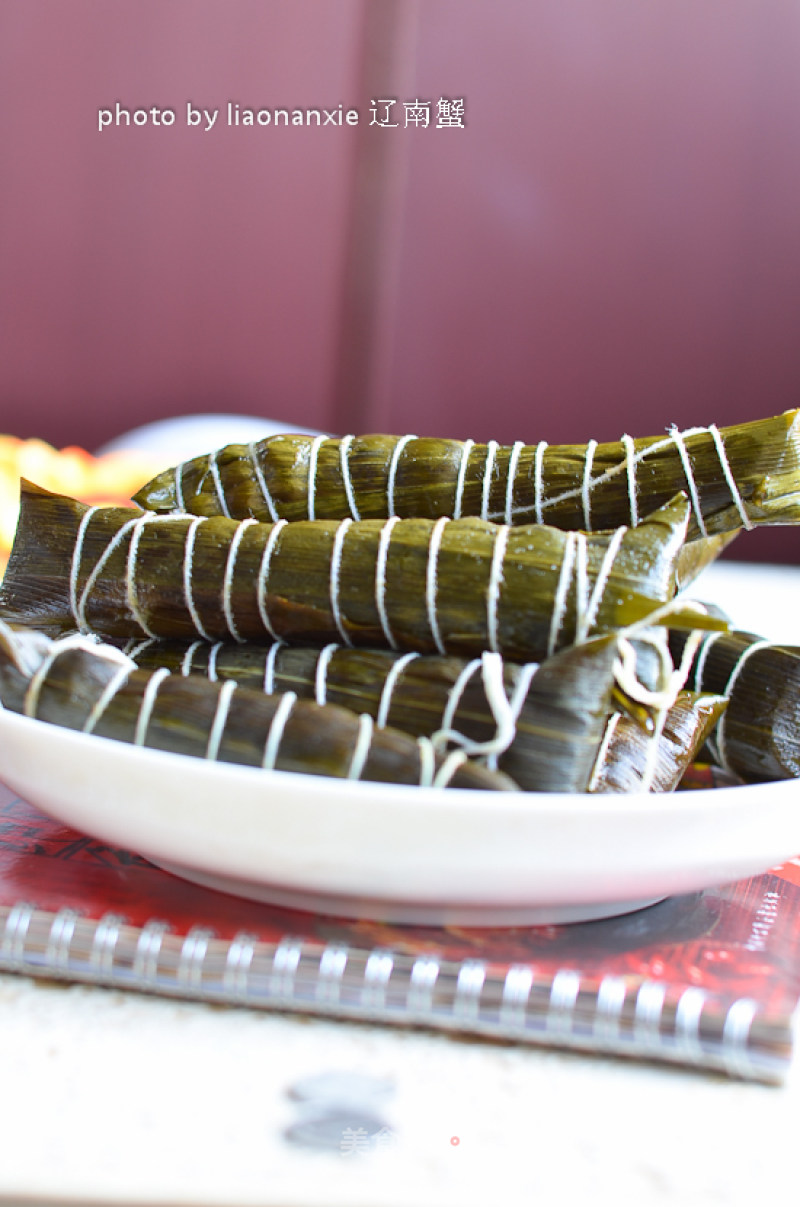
709, 979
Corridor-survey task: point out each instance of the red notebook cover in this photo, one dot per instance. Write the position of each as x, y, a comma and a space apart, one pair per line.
710, 979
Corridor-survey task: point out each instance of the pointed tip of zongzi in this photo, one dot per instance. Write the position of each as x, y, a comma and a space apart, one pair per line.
159, 494
35, 587
674, 514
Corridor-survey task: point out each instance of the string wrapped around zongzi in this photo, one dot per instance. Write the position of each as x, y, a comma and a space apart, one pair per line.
735, 477
446, 586
758, 738
77, 684
542, 723
632, 760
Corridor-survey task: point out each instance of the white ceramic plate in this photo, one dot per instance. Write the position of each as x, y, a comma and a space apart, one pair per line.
395, 853
412, 855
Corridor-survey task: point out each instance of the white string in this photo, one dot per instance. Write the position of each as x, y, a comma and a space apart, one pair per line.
650, 758
74, 570
320, 686
398, 666
380, 577
491, 454
431, 583
450, 765
660, 700
581, 579
538, 480
179, 486
361, 748
678, 440
702, 655
466, 449
393, 464
427, 762
215, 474
516, 702
114, 543
495, 583
522, 686
134, 649
503, 714
560, 596
262, 581
671, 680
720, 735
30, 701
75, 641
186, 664
500, 705
587, 618
446, 732
106, 696
653, 748
312, 474
513, 462
621, 466
602, 750
726, 469
260, 478
146, 706
211, 666
344, 455
146, 517
586, 488
227, 581
654, 447
269, 667
188, 556
220, 719
630, 467
336, 562
275, 735
130, 570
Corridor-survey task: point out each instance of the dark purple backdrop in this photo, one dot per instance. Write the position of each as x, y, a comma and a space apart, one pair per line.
611, 244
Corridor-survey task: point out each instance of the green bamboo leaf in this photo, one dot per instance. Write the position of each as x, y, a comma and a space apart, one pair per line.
737, 476
758, 739
97, 690
441, 586
547, 723
633, 761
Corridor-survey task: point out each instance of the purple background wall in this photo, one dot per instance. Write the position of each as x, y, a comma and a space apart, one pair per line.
612, 244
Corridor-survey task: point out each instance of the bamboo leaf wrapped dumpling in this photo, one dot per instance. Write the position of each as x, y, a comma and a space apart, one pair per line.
736, 476
542, 723
76, 684
446, 586
632, 760
758, 738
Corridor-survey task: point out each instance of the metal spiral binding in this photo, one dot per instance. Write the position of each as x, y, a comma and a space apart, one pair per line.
238, 962
568, 1009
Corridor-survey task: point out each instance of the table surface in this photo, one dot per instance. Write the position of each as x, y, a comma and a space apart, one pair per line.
118, 1097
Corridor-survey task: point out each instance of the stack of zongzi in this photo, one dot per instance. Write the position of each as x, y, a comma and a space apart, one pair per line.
500, 605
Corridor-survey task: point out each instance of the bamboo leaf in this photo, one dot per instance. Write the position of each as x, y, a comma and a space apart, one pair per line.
99, 691
634, 761
442, 586
758, 739
554, 712
737, 476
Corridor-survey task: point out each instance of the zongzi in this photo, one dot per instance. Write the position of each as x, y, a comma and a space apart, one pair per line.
736, 477
74, 683
446, 586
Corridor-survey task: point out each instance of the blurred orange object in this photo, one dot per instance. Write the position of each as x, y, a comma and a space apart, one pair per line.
110, 479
